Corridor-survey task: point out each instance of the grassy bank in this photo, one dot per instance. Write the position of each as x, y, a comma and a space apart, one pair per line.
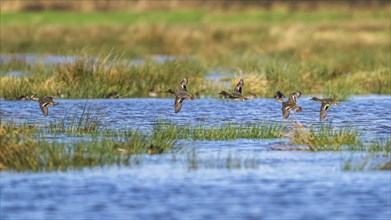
337, 52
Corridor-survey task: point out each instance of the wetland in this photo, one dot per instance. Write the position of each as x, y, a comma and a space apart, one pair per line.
134, 157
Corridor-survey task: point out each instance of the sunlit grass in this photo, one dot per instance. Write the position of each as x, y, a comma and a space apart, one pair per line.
333, 52
223, 132
326, 137
21, 152
88, 121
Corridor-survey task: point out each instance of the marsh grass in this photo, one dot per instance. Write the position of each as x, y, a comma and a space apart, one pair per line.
223, 132
325, 138
336, 53
377, 157
88, 121
20, 152
10, 125
90, 77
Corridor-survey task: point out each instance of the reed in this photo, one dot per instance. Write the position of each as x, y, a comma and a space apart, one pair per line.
9, 125
368, 162
328, 53
88, 121
20, 152
223, 132
326, 137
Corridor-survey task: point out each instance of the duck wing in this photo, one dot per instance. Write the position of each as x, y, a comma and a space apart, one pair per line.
178, 104
323, 110
294, 96
285, 112
44, 109
279, 96
183, 84
239, 87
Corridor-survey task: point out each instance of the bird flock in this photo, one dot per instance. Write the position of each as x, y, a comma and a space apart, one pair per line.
182, 94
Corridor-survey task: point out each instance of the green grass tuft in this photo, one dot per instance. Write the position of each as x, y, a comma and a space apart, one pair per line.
326, 137
223, 132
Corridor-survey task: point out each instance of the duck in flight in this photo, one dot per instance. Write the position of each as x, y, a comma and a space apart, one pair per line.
44, 103
326, 103
236, 94
290, 104
181, 95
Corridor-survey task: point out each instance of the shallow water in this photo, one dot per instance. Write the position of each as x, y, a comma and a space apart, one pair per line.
276, 185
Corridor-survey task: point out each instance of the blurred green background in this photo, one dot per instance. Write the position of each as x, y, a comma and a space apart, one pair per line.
333, 48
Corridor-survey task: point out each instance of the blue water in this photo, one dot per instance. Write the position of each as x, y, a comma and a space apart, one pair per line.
278, 185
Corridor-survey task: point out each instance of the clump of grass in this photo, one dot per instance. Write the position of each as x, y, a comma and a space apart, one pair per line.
8, 125
379, 146
377, 157
223, 132
88, 121
326, 137
20, 152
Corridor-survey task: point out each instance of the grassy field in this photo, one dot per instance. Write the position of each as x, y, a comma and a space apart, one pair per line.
333, 52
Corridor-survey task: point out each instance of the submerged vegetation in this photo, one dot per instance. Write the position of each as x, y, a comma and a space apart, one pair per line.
194, 161
379, 157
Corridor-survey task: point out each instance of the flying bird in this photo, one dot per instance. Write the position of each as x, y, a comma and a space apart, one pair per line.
44, 103
290, 104
326, 103
181, 95
236, 94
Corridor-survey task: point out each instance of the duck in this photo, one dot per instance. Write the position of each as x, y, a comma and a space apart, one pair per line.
251, 95
112, 95
181, 95
326, 103
236, 94
22, 98
44, 103
153, 93
289, 105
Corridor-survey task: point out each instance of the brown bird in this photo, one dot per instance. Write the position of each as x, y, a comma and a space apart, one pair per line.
181, 95
236, 94
290, 104
44, 103
326, 103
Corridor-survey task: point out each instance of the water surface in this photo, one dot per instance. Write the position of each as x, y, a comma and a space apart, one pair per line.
276, 184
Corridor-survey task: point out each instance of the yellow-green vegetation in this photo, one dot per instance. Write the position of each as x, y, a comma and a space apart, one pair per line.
336, 51
223, 132
325, 137
96, 78
21, 151
89, 121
